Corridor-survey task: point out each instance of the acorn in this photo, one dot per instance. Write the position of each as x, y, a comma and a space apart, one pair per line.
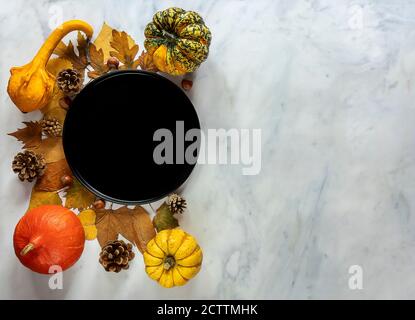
65, 102
99, 204
67, 180
113, 63
187, 84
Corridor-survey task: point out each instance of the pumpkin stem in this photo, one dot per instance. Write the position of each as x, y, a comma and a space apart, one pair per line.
169, 36
169, 262
27, 248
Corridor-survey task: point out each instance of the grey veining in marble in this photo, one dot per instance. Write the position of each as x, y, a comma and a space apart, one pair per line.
331, 85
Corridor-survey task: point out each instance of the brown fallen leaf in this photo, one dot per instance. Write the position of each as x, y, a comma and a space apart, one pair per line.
38, 198
31, 135
82, 47
51, 148
145, 61
108, 224
51, 180
97, 62
143, 228
79, 60
77, 196
124, 51
133, 224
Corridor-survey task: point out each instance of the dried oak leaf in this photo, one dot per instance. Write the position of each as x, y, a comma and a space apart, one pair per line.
38, 198
99, 51
79, 60
78, 197
164, 219
87, 218
133, 224
31, 135
51, 180
123, 52
104, 38
97, 62
145, 61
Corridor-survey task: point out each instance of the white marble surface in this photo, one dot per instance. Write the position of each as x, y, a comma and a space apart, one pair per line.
331, 85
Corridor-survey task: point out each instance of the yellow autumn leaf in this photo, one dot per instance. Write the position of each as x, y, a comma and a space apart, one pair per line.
87, 218
78, 197
77, 55
104, 38
90, 232
50, 148
124, 50
53, 109
39, 198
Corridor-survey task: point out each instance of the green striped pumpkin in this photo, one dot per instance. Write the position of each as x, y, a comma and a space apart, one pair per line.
178, 40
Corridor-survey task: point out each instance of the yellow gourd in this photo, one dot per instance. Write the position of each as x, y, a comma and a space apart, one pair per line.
31, 86
172, 258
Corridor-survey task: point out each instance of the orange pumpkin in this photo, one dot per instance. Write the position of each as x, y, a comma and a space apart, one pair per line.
48, 235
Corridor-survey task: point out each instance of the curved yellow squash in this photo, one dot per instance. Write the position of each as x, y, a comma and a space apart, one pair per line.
31, 86
172, 258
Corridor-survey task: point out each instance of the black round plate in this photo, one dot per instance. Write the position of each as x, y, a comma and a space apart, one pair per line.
108, 136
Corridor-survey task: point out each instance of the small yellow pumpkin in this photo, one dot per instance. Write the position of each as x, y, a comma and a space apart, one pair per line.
178, 40
31, 86
172, 258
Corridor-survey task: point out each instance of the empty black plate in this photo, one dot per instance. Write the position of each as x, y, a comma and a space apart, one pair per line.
108, 136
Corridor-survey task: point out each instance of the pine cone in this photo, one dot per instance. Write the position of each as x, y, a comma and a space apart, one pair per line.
28, 165
176, 203
115, 255
51, 127
69, 81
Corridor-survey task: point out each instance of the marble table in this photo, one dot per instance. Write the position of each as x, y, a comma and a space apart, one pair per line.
330, 85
